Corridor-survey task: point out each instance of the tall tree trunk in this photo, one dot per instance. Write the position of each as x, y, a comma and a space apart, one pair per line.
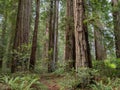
7, 55
21, 32
34, 42
53, 34
4, 28
45, 56
81, 36
100, 51
56, 12
70, 38
116, 19
2, 48
7, 52
51, 38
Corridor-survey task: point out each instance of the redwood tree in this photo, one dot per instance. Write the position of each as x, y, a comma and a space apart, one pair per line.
34, 42
81, 36
100, 51
21, 32
4, 30
2, 48
53, 35
70, 37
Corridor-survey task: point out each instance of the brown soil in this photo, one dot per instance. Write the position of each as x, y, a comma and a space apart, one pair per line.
50, 81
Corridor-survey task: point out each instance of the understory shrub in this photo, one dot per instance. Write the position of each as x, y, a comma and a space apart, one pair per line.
24, 82
109, 84
108, 67
60, 68
80, 79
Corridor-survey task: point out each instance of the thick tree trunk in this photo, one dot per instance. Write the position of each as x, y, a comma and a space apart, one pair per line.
116, 19
100, 51
70, 38
21, 32
53, 35
81, 36
34, 42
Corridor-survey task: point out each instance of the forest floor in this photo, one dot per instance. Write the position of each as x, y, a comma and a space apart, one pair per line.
55, 82
51, 81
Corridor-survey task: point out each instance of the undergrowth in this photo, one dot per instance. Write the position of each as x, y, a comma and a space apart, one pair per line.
21, 82
105, 75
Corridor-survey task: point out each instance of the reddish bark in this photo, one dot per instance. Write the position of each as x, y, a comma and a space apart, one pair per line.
34, 42
81, 36
21, 31
70, 37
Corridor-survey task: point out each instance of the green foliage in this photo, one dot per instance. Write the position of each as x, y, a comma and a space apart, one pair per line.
69, 81
80, 79
85, 75
98, 11
99, 76
41, 66
25, 82
109, 67
23, 51
22, 55
108, 85
61, 67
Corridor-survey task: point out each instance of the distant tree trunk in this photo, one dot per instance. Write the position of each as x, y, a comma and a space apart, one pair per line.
8, 47
45, 56
116, 19
70, 38
3, 33
2, 48
21, 32
34, 42
56, 12
51, 38
53, 34
7, 55
83, 58
100, 51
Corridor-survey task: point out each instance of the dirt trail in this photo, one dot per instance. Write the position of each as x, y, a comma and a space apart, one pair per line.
50, 81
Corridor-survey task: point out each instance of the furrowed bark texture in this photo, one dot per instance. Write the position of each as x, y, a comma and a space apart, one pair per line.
81, 36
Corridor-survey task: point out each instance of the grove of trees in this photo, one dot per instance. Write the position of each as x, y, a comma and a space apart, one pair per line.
47, 35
